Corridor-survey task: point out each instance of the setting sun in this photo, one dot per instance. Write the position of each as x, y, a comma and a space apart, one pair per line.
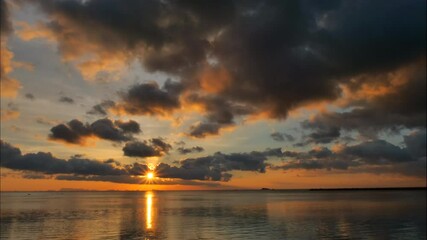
150, 175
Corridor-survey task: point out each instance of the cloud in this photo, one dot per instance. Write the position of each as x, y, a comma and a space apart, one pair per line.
149, 99
387, 101
219, 113
117, 131
46, 163
11, 112
232, 51
6, 25
9, 85
139, 149
45, 121
217, 166
130, 126
378, 151
321, 134
210, 168
66, 100
375, 156
108, 178
416, 143
161, 144
196, 149
8, 114
102, 108
201, 130
76, 132
317, 48
152, 148
135, 180
29, 96
281, 137
32, 175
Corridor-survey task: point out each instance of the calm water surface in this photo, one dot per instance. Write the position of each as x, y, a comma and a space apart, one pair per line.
214, 215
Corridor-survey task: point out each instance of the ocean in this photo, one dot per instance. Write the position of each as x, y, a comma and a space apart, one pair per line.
382, 214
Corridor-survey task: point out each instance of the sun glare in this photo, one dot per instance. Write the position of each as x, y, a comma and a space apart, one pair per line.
150, 175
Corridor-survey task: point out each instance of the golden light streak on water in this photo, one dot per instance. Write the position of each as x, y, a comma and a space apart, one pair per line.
149, 210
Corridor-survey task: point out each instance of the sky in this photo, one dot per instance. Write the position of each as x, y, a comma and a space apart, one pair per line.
95, 94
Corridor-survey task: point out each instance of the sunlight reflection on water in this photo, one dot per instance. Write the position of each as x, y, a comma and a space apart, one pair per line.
214, 215
149, 206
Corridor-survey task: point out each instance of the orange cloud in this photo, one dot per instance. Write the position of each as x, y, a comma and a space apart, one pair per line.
103, 66
214, 79
93, 61
9, 86
27, 32
7, 115
374, 86
86, 141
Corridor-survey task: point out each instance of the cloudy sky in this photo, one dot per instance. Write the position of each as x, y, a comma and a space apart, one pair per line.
212, 94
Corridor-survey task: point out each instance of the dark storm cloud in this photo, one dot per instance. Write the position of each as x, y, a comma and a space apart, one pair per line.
172, 34
76, 132
317, 48
281, 137
148, 98
153, 147
102, 108
184, 150
66, 100
5, 24
278, 55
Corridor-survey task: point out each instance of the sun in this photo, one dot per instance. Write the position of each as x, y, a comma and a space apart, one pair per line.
150, 175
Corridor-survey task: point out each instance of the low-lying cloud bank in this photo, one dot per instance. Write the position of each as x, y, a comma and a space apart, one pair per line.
377, 156
210, 168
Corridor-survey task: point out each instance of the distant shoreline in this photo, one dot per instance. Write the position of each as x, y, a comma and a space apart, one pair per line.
368, 189
348, 189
